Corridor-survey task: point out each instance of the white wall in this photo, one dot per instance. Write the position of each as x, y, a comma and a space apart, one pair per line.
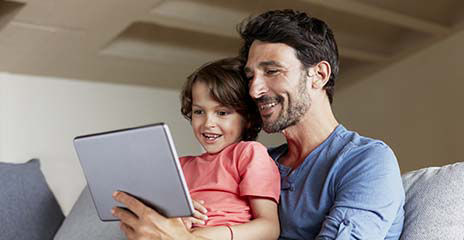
39, 117
414, 105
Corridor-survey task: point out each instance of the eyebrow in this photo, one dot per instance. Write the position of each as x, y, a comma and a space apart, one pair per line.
264, 64
218, 106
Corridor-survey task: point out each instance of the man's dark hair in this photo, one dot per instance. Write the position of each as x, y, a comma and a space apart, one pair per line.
228, 86
310, 37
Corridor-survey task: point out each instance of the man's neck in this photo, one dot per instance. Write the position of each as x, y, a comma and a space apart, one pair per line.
310, 132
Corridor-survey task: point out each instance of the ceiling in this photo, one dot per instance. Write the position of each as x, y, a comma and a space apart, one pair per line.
159, 42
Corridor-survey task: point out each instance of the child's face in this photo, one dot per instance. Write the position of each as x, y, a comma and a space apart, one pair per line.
215, 126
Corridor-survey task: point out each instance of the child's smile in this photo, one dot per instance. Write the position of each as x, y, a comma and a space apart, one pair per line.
211, 137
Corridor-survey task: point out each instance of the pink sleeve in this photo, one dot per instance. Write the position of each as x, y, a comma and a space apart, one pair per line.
258, 172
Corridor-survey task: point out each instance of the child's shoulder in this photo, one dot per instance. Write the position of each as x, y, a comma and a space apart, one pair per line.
250, 146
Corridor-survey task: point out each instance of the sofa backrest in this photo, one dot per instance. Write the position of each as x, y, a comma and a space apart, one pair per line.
28, 209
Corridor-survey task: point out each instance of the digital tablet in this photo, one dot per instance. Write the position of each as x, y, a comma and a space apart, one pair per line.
140, 161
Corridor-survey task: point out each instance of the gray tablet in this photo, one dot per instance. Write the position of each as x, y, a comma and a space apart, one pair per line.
141, 161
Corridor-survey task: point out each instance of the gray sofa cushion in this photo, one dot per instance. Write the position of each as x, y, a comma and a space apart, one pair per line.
28, 209
83, 223
434, 203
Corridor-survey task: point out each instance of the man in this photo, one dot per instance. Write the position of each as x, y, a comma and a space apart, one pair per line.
335, 183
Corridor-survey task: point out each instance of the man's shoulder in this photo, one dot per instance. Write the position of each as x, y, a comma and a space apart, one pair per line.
362, 153
353, 143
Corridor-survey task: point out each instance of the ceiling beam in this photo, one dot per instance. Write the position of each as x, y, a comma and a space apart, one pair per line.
360, 55
8, 11
178, 23
383, 15
353, 53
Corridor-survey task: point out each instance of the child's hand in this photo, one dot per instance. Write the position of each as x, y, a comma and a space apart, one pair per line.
199, 215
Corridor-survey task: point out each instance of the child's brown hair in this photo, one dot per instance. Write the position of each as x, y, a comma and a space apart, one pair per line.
229, 87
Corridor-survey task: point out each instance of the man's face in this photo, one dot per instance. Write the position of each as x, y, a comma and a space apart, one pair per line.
277, 84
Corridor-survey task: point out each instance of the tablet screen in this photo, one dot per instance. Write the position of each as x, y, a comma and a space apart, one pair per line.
141, 161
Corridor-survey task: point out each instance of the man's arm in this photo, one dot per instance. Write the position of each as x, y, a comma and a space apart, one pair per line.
145, 223
368, 197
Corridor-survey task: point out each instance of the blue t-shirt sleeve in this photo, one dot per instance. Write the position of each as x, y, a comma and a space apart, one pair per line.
368, 195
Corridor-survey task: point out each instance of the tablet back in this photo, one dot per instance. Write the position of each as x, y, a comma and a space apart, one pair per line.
141, 161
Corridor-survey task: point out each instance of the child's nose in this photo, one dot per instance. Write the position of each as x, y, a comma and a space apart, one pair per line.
210, 121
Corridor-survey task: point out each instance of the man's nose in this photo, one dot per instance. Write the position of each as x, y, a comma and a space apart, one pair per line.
258, 87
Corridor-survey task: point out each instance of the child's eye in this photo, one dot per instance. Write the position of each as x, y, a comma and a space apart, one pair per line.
223, 113
197, 112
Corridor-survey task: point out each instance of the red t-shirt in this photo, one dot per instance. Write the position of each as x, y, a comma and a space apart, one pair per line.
225, 180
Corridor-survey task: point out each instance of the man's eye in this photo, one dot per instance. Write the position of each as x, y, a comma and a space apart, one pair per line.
272, 71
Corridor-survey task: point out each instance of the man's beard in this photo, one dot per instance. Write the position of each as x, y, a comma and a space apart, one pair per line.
297, 107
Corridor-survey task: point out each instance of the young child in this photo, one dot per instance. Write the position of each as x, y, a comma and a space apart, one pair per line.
235, 179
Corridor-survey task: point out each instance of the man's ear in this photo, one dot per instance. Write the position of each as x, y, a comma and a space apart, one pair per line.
321, 74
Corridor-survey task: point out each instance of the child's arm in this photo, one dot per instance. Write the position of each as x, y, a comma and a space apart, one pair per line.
264, 225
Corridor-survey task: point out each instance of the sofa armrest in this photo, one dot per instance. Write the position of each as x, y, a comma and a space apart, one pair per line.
434, 203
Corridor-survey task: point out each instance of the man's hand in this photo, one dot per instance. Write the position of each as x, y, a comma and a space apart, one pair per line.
145, 223
199, 215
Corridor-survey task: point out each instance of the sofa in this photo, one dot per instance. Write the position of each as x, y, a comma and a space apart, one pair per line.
29, 211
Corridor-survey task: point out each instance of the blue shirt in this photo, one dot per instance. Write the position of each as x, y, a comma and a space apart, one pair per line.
349, 187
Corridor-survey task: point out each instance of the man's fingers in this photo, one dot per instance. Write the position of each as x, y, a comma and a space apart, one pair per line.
142, 222
198, 205
132, 204
199, 215
125, 216
197, 221
187, 222
128, 231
